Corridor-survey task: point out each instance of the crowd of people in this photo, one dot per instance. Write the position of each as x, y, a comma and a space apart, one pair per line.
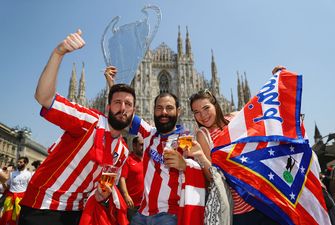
152, 175
13, 184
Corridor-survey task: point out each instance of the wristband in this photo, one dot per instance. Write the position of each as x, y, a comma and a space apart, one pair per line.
58, 51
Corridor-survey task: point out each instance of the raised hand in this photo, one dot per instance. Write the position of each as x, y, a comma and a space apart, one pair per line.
174, 159
101, 195
279, 67
198, 154
71, 43
110, 73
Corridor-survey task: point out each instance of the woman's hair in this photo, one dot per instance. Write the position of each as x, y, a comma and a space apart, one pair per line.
206, 94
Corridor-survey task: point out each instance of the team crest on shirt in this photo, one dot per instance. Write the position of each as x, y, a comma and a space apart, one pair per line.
115, 155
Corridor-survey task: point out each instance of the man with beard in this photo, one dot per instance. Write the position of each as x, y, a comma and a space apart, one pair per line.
163, 175
162, 178
160, 203
17, 184
166, 200
58, 190
131, 181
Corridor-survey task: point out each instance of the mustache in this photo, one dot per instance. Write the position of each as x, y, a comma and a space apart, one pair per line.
161, 117
120, 113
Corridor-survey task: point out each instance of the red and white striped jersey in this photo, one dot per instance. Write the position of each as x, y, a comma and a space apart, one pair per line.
73, 167
162, 185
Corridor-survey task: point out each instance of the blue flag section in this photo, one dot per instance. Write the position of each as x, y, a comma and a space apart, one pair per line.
267, 159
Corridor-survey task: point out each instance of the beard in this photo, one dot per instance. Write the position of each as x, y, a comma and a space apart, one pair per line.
165, 127
118, 124
138, 152
21, 167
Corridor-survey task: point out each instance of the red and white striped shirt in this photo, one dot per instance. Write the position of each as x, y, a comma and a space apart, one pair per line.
73, 167
162, 185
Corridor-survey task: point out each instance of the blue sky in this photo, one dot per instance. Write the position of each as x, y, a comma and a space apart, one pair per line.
249, 35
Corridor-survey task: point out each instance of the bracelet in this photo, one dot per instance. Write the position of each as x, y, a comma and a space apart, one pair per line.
58, 51
201, 163
105, 203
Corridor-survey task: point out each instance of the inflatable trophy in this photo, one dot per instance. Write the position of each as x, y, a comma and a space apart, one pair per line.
125, 46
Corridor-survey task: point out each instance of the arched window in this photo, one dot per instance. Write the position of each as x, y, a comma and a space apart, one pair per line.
164, 83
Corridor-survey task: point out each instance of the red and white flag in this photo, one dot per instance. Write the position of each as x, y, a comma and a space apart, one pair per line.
267, 159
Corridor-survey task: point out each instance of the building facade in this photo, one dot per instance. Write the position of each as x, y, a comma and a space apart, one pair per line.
324, 147
16, 142
163, 70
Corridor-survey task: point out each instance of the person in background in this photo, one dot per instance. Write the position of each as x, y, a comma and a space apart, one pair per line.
36, 164
4, 176
131, 181
17, 186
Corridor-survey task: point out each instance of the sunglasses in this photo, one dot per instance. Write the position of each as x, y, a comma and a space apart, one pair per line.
202, 94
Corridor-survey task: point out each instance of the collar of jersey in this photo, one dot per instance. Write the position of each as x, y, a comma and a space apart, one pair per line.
179, 129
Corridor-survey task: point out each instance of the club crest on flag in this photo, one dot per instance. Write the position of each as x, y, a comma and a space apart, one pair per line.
283, 166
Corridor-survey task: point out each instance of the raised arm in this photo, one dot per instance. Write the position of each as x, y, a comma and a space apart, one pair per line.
276, 68
110, 73
46, 87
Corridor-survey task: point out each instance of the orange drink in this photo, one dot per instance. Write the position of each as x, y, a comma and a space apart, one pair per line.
108, 176
185, 141
107, 179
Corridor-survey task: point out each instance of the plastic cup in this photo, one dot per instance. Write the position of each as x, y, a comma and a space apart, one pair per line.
108, 176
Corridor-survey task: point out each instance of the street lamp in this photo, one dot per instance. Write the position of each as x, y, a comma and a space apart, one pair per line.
20, 134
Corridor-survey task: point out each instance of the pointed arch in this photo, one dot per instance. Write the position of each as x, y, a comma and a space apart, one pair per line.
164, 82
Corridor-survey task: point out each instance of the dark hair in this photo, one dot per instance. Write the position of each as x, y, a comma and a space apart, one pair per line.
206, 94
165, 94
121, 88
25, 159
135, 140
36, 163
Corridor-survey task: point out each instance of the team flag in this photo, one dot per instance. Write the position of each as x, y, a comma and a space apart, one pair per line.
267, 158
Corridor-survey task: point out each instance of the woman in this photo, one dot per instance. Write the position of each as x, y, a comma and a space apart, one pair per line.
211, 121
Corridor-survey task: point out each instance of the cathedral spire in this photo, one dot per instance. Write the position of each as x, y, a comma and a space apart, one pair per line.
72, 95
240, 103
317, 135
215, 80
246, 89
213, 66
232, 104
188, 44
180, 43
81, 99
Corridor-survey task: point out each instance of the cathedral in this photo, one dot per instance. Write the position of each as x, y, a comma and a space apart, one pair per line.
163, 70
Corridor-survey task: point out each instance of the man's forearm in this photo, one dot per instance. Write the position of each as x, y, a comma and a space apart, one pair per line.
123, 186
46, 87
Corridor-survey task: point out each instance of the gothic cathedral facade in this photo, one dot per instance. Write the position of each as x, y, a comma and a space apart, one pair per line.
163, 70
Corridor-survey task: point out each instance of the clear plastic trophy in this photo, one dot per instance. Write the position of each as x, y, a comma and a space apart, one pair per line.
125, 46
